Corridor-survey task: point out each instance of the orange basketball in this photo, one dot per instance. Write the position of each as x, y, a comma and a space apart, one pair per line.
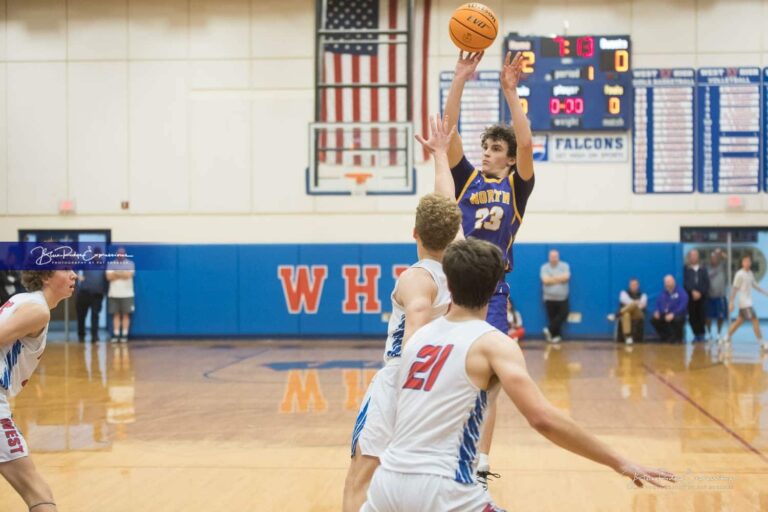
473, 27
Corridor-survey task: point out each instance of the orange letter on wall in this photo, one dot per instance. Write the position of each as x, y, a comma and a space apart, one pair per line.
302, 292
369, 289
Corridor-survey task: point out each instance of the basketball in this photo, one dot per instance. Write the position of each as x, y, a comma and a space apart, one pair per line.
473, 27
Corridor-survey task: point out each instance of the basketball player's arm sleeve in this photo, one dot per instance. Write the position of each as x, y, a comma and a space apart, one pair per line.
508, 364
28, 320
416, 292
461, 173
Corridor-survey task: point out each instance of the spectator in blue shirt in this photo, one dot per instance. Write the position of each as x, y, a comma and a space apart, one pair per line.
669, 314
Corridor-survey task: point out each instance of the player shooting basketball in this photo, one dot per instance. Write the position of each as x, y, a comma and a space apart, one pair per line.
492, 198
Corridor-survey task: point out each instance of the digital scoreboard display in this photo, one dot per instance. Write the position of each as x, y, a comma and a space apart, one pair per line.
575, 83
729, 130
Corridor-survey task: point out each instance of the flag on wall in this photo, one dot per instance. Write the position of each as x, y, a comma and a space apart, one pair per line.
362, 63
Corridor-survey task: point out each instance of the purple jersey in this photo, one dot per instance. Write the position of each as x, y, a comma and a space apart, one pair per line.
491, 209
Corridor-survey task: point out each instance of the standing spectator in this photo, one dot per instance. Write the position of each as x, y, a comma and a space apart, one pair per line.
90, 296
555, 276
717, 305
515, 321
669, 314
121, 298
632, 305
743, 282
696, 284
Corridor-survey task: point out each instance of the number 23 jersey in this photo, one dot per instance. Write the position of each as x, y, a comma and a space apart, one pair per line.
491, 209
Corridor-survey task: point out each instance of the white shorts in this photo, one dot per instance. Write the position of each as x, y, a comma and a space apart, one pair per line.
12, 444
394, 492
376, 419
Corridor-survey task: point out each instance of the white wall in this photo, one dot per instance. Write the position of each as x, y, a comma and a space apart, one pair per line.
196, 112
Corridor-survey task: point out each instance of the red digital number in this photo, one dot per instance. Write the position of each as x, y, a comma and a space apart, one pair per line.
564, 44
566, 106
574, 105
554, 106
432, 358
585, 47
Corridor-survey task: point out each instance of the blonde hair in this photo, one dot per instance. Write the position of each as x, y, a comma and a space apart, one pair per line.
33, 280
437, 221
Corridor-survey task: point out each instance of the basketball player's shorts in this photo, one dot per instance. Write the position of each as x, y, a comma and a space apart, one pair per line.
376, 419
12, 444
717, 307
395, 492
497, 308
747, 313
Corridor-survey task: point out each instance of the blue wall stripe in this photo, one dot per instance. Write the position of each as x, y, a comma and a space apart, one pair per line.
233, 290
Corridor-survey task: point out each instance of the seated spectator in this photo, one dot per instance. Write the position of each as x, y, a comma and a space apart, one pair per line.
669, 315
515, 321
632, 305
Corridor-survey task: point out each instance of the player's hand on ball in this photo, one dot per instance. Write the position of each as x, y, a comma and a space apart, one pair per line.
511, 71
440, 135
467, 64
641, 475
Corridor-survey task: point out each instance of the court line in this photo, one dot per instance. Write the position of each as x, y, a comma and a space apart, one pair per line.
208, 374
706, 413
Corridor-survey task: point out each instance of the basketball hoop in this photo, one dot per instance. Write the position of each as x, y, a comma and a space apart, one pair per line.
360, 178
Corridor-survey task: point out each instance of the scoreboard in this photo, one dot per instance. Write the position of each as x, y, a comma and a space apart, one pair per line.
729, 130
663, 130
575, 83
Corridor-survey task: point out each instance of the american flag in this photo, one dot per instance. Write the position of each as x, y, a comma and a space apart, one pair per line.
361, 63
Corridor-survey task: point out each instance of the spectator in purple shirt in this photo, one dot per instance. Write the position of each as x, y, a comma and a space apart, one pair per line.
669, 314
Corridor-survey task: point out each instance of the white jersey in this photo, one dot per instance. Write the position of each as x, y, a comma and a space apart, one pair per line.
439, 410
19, 359
396, 328
743, 282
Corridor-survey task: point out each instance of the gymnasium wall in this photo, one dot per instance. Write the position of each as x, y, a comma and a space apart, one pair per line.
196, 112
344, 289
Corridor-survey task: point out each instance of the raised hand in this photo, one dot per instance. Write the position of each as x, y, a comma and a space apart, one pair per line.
439, 136
467, 64
511, 71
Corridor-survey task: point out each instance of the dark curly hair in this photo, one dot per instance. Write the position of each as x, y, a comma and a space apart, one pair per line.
501, 132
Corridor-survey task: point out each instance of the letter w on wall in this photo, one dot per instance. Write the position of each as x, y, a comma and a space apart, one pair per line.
302, 291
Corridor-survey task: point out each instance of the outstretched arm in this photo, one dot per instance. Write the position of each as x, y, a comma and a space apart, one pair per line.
507, 363
437, 144
510, 77
465, 68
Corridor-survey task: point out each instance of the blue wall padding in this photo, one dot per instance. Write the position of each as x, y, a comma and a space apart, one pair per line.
234, 290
